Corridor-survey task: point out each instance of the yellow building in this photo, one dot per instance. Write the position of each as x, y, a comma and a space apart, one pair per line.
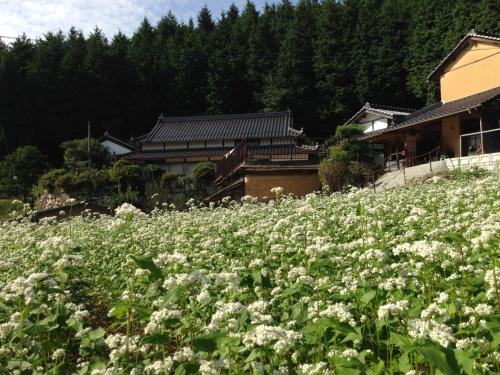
467, 119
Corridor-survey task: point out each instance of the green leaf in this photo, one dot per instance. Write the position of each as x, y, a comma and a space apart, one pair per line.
254, 354
206, 343
403, 342
257, 277
452, 237
441, 358
173, 294
340, 370
299, 312
143, 312
147, 263
291, 291
465, 363
60, 369
158, 339
120, 309
368, 296
96, 334
187, 369
360, 209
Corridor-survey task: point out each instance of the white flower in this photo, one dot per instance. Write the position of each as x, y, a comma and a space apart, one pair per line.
126, 210
396, 308
349, 353
58, 354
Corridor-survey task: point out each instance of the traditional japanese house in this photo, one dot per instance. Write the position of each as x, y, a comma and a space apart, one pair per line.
465, 122
178, 144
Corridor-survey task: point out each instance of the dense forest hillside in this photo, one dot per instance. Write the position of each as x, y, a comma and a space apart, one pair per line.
320, 59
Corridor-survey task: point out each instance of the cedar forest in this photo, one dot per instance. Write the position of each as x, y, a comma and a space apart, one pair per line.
320, 59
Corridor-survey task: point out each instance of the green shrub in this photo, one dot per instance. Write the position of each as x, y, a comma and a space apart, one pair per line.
128, 196
340, 154
154, 194
152, 172
203, 175
461, 174
20, 170
52, 179
125, 174
7, 206
172, 181
332, 173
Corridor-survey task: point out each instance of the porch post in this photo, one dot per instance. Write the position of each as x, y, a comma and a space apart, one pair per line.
481, 131
397, 153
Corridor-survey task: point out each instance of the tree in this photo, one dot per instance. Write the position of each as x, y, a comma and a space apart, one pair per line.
347, 160
20, 170
76, 155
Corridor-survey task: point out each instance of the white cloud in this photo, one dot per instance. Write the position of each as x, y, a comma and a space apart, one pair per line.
36, 17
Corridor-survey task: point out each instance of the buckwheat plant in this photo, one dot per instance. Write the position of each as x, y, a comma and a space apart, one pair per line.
402, 282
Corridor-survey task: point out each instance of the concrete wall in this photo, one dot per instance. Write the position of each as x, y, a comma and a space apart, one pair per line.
486, 161
476, 69
299, 184
451, 135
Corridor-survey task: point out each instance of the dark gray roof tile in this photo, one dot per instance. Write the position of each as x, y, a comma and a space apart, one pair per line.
222, 127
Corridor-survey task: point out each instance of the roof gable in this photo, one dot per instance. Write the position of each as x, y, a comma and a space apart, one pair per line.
471, 36
108, 137
222, 127
381, 110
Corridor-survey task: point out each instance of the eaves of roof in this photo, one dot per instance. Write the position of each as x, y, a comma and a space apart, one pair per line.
441, 110
471, 35
215, 152
382, 110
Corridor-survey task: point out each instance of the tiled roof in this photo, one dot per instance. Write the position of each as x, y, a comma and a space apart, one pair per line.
221, 127
440, 110
109, 137
383, 110
262, 150
471, 35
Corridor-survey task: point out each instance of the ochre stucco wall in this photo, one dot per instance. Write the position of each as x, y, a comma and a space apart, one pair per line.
476, 69
299, 184
451, 135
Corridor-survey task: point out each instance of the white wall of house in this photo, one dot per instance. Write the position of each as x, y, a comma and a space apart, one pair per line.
114, 148
214, 144
282, 141
175, 146
372, 122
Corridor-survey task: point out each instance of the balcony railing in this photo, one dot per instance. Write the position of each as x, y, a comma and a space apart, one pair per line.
232, 160
485, 142
394, 161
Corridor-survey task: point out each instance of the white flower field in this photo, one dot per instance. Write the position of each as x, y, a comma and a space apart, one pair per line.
397, 282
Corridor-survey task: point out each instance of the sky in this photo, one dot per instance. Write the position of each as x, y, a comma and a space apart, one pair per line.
36, 17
